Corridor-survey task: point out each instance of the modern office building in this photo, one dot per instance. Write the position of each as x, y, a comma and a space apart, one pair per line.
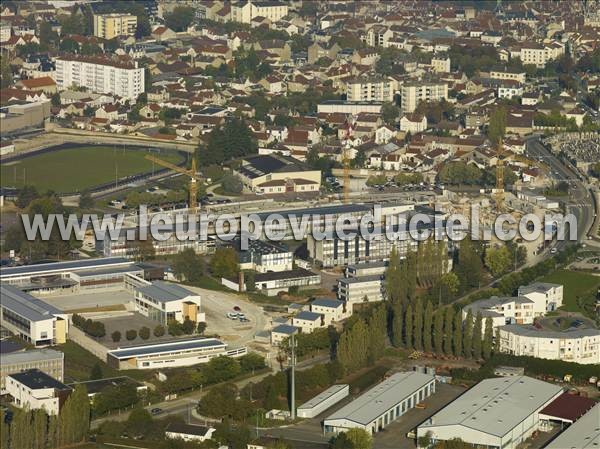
414, 93
75, 275
109, 26
324, 400
165, 302
495, 413
582, 434
32, 319
49, 361
101, 75
187, 352
34, 389
572, 345
377, 408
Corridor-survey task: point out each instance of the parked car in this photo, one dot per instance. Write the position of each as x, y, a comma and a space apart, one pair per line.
156, 411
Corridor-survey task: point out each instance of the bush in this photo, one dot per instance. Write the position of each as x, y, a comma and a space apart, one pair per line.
131, 334
144, 333
201, 328
159, 331
175, 328
231, 184
116, 336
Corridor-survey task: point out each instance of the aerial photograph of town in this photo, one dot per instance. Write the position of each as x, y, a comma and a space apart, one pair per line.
299, 224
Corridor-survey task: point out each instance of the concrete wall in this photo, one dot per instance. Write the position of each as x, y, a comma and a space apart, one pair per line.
79, 337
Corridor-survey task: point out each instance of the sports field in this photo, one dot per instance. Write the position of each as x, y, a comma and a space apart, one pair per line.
76, 169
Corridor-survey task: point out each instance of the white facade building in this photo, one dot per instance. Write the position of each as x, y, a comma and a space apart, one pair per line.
382, 404
413, 123
371, 88
308, 321
414, 93
544, 294
100, 75
440, 65
164, 302
332, 310
354, 290
34, 389
317, 405
244, 12
495, 413
573, 345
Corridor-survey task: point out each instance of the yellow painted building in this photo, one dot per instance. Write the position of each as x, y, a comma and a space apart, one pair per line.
109, 26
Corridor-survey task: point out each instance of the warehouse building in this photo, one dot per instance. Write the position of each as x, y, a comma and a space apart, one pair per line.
164, 302
190, 351
382, 404
72, 276
583, 434
32, 319
324, 400
495, 413
49, 361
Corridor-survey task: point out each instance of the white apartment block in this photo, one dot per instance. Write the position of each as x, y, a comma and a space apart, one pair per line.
332, 310
244, 12
109, 26
508, 75
100, 75
371, 89
34, 389
509, 90
539, 55
414, 93
5, 31
546, 295
413, 123
502, 311
361, 289
573, 345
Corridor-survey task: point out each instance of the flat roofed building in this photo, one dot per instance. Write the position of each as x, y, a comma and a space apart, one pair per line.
382, 404
34, 389
582, 434
185, 352
109, 26
366, 269
361, 289
503, 310
495, 413
49, 361
264, 256
547, 296
572, 345
275, 282
164, 302
31, 319
324, 400
93, 387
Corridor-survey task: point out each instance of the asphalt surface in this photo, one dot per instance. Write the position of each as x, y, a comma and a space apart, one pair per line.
581, 202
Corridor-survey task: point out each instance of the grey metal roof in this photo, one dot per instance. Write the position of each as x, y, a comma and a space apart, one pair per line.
25, 305
63, 266
36, 379
323, 396
541, 287
30, 356
324, 210
326, 302
484, 305
285, 329
381, 398
162, 348
496, 406
530, 331
165, 292
359, 279
308, 316
582, 434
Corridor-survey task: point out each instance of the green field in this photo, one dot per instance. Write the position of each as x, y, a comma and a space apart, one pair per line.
76, 169
576, 285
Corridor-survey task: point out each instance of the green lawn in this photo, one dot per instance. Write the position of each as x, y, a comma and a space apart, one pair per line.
76, 169
576, 285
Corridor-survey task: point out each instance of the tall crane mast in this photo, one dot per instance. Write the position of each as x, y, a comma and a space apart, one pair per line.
194, 178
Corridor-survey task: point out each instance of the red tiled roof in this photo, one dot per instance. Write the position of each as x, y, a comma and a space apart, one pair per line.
568, 407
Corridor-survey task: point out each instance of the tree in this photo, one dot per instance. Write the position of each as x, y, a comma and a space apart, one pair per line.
232, 184
477, 337
408, 327
144, 333
143, 249
428, 327
85, 200
397, 324
438, 331
139, 422
189, 266
359, 438
229, 141
131, 334
448, 330
188, 326
497, 126
498, 260
390, 113
251, 362
470, 267
458, 335
175, 328
424, 441
159, 331
26, 195
224, 263
201, 328
488, 338
96, 372
116, 336
418, 325
55, 99
74, 417
180, 18
468, 335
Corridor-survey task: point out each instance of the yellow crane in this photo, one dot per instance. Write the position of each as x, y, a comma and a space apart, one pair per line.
346, 164
194, 178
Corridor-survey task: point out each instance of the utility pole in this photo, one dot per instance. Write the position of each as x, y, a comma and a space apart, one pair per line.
293, 376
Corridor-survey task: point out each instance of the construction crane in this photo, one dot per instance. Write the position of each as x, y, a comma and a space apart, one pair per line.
194, 178
499, 177
346, 164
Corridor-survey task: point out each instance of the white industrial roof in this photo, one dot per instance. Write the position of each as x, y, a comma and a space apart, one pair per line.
381, 398
496, 406
323, 396
583, 434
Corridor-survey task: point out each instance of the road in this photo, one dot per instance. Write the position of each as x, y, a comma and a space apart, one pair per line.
581, 203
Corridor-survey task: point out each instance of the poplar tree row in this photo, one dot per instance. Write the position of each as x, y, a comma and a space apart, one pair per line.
442, 331
34, 429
